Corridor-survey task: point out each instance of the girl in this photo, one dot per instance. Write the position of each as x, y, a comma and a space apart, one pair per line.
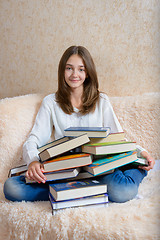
77, 102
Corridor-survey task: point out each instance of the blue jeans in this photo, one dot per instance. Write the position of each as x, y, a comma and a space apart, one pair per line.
122, 186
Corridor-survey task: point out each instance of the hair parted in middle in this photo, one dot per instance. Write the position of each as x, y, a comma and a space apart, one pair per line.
90, 92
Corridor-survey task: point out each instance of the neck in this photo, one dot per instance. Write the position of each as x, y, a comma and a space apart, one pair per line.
76, 98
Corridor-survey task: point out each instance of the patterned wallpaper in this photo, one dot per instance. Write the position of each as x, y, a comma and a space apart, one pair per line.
122, 36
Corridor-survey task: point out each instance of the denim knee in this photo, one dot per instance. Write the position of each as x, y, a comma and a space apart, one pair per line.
122, 193
123, 186
13, 191
16, 189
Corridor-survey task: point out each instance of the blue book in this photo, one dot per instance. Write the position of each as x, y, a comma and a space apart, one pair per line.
83, 201
107, 163
76, 189
91, 206
92, 132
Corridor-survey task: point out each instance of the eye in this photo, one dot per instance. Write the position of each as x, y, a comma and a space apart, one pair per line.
81, 69
68, 68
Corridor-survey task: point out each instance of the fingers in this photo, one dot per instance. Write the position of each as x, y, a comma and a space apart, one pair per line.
35, 172
150, 164
147, 168
37, 175
150, 160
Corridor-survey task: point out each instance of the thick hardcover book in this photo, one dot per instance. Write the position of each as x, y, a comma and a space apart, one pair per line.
111, 162
112, 137
53, 143
20, 170
109, 147
83, 201
68, 161
92, 132
63, 147
91, 206
76, 189
59, 175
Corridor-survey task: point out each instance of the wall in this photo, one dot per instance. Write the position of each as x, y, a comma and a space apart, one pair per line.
122, 36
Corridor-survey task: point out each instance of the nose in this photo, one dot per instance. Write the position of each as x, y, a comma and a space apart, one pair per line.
75, 73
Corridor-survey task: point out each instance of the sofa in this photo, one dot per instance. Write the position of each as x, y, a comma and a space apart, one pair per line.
135, 219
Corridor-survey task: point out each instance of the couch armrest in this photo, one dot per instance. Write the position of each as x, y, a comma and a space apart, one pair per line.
140, 119
17, 116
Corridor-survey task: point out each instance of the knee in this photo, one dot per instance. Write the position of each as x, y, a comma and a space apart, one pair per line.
121, 194
12, 190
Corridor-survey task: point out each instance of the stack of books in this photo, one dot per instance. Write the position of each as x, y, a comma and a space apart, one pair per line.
73, 162
78, 193
108, 150
69, 191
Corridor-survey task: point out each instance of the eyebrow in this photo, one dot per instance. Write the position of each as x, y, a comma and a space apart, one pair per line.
72, 65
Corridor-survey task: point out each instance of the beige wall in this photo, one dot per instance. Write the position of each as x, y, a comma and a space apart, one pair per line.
122, 36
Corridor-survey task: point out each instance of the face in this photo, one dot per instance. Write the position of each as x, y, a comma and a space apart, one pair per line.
75, 72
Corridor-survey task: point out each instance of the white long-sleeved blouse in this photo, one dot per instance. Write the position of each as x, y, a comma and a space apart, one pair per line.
51, 116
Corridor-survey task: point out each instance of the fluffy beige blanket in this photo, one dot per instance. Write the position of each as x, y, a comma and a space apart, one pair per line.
136, 219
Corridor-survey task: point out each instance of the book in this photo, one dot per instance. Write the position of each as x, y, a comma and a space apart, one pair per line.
109, 147
67, 175
77, 202
17, 171
92, 132
91, 206
63, 147
112, 137
83, 174
67, 161
59, 175
53, 143
111, 162
141, 161
76, 189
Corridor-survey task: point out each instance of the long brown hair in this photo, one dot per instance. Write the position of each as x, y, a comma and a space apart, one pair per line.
90, 93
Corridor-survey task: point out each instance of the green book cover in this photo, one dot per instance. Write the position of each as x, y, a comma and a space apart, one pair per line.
108, 143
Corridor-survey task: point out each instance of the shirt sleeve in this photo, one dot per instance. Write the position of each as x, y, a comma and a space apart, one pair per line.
139, 150
40, 133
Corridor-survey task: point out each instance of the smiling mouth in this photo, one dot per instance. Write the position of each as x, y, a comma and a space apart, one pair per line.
74, 80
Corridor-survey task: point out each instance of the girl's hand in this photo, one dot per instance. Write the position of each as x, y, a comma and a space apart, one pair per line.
150, 160
35, 172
